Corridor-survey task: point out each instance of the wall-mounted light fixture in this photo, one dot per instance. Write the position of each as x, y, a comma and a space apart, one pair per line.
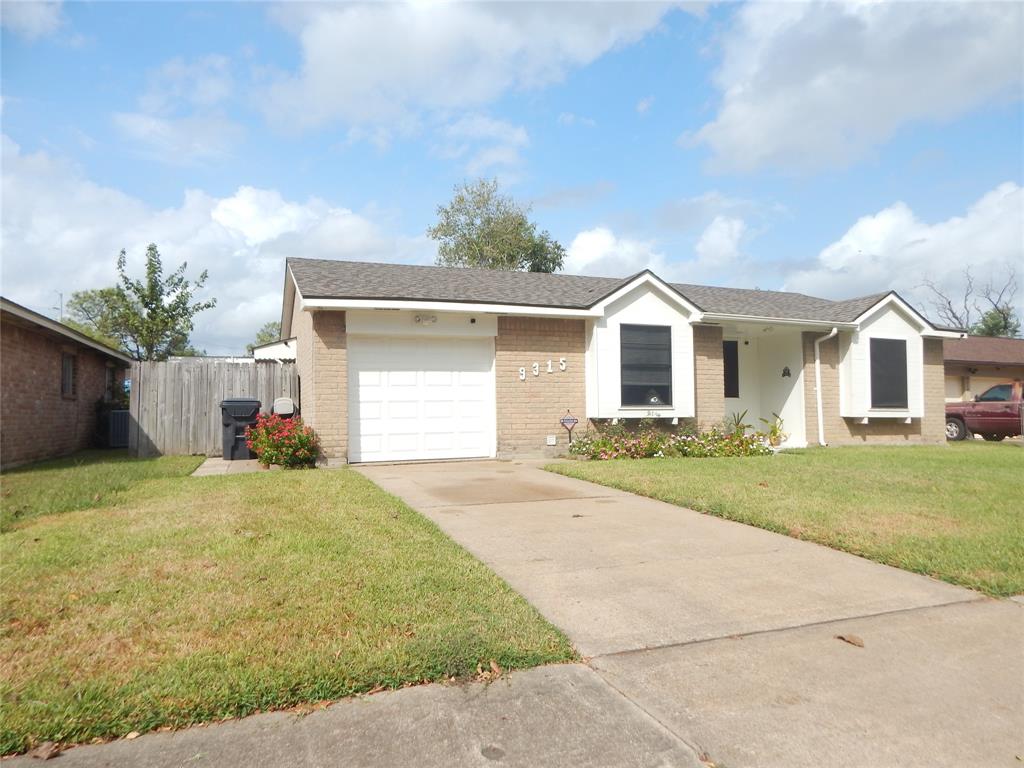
786, 374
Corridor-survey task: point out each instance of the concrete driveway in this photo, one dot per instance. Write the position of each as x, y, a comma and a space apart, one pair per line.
727, 635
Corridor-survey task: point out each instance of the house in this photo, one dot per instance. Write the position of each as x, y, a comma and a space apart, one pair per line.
400, 362
282, 350
975, 363
51, 379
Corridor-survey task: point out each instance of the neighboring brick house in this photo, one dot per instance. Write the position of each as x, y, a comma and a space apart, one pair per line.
51, 378
400, 362
975, 363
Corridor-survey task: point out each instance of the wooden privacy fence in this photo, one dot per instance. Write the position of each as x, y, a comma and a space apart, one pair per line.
175, 406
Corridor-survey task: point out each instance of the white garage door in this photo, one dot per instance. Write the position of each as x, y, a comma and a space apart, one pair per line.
420, 398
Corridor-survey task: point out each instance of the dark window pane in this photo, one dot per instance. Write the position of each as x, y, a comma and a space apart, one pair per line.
997, 394
888, 373
731, 365
646, 364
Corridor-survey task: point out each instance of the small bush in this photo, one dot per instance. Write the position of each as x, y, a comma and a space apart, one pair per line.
650, 443
287, 442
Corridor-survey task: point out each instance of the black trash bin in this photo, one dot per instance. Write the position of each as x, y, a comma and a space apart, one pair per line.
236, 415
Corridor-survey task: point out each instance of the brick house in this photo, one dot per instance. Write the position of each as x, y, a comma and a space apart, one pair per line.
51, 378
400, 362
975, 363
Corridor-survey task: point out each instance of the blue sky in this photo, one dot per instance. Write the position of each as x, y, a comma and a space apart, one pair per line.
828, 148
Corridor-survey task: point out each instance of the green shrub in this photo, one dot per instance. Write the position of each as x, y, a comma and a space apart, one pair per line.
287, 442
617, 443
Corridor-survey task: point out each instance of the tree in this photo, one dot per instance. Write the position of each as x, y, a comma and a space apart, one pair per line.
270, 331
997, 322
984, 311
481, 227
92, 313
150, 319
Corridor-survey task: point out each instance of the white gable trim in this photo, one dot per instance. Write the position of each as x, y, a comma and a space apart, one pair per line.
650, 279
893, 300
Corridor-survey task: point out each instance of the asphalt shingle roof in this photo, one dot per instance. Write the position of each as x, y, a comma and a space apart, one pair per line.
333, 279
985, 349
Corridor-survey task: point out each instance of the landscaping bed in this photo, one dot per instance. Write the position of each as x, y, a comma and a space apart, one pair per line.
952, 512
195, 599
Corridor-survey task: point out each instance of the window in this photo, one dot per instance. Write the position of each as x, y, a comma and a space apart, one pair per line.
109, 384
646, 359
731, 364
888, 373
68, 375
997, 394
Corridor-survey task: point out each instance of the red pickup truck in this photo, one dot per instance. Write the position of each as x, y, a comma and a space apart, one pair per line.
996, 413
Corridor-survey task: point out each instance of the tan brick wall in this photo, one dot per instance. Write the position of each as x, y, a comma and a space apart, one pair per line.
330, 383
709, 375
528, 411
36, 421
933, 427
302, 330
840, 431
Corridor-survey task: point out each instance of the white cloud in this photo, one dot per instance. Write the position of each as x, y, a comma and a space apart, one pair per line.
644, 104
894, 249
373, 63
600, 252
180, 120
570, 118
205, 82
719, 244
687, 213
31, 19
813, 85
484, 142
61, 231
180, 140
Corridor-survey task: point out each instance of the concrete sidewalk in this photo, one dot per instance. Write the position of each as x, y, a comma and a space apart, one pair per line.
727, 634
562, 715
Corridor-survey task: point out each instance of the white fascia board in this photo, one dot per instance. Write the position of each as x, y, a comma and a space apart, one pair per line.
444, 306
937, 334
715, 317
649, 278
291, 290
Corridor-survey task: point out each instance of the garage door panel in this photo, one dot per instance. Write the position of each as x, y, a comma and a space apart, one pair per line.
438, 378
420, 398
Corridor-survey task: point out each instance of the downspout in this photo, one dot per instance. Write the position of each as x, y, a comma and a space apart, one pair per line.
817, 382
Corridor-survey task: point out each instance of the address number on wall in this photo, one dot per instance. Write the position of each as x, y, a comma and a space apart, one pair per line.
535, 368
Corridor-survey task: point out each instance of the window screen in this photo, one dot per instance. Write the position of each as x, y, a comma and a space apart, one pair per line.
67, 375
731, 364
888, 373
997, 394
646, 364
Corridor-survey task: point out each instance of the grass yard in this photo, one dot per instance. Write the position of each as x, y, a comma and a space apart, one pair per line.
87, 479
953, 512
178, 600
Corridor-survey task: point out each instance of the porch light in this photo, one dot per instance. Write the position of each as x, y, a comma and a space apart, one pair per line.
786, 373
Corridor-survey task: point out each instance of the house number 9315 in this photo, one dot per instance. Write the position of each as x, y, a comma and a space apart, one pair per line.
535, 368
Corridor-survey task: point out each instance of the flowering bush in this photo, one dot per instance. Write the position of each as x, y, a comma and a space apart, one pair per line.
287, 442
650, 443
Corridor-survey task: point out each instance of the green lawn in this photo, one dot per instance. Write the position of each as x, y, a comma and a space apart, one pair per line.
179, 600
953, 512
87, 479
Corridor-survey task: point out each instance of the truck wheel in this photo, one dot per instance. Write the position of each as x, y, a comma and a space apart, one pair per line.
992, 438
955, 429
